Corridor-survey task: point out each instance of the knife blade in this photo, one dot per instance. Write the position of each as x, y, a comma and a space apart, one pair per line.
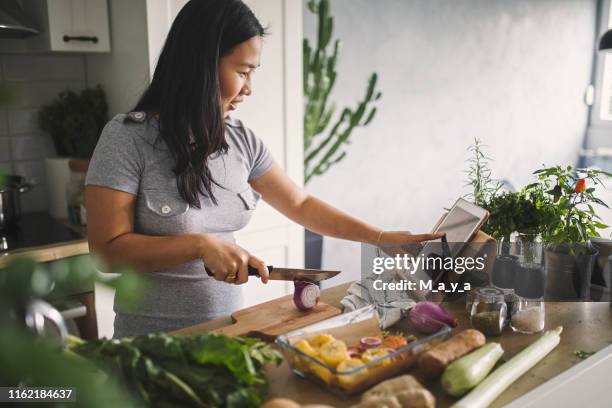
291, 274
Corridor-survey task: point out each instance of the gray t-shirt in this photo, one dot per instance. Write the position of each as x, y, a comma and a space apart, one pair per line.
131, 157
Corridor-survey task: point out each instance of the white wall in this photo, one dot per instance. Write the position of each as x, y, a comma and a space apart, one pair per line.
512, 73
124, 72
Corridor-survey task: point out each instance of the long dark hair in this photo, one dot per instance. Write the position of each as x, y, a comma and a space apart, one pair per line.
185, 88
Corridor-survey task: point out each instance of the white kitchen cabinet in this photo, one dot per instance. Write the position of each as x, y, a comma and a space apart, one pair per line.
70, 25
274, 113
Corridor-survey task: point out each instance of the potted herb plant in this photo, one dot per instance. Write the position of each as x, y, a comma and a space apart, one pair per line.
74, 122
519, 263
570, 257
523, 214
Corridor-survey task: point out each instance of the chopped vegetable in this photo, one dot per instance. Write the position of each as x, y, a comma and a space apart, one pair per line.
321, 371
468, 371
301, 362
354, 351
320, 339
334, 352
209, 370
394, 342
429, 317
351, 379
370, 342
374, 354
583, 354
305, 347
434, 361
306, 294
486, 392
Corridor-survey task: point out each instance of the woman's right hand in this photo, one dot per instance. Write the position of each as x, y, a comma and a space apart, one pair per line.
228, 262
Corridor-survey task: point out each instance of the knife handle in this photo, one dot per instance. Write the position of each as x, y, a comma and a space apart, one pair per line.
252, 271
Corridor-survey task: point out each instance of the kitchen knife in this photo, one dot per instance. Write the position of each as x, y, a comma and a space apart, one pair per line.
291, 274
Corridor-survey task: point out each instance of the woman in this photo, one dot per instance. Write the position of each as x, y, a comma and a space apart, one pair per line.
170, 182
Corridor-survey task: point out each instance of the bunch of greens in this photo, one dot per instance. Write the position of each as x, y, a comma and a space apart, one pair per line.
527, 212
208, 370
75, 121
26, 359
572, 193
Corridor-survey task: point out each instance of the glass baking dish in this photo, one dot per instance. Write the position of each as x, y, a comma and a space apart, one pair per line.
349, 378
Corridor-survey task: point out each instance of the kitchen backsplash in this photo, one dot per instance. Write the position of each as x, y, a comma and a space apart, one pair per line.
37, 80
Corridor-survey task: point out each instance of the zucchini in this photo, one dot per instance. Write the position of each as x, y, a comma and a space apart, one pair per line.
486, 392
468, 371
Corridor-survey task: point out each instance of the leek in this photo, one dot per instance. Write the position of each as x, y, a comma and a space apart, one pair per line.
504, 376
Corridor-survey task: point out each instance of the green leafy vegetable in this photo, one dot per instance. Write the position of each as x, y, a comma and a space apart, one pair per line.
207, 370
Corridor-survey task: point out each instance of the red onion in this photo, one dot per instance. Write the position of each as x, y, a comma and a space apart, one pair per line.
370, 342
429, 317
306, 294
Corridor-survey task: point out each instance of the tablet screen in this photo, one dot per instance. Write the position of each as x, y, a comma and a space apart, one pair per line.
458, 225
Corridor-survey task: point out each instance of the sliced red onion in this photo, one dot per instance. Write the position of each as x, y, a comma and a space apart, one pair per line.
306, 295
428, 317
370, 342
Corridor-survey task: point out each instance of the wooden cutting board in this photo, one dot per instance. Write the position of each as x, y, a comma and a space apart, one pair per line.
279, 316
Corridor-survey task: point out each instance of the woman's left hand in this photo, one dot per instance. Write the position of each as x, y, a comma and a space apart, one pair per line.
405, 237
399, 242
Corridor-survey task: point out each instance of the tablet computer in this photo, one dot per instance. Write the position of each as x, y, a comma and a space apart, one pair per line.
460, 224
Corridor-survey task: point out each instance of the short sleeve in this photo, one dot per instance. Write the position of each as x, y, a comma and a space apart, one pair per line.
259, 155
116, 162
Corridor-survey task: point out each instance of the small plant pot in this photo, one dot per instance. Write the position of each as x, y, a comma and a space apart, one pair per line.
568, 276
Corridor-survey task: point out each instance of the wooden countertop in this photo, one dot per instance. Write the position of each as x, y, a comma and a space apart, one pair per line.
586, 326
51, 252
47, 253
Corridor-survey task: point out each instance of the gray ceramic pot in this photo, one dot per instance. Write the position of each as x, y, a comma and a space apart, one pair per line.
568, 276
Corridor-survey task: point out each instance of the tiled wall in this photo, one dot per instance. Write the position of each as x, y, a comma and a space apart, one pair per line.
37, 80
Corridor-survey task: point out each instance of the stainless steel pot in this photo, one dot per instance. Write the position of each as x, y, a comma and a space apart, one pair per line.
10, 200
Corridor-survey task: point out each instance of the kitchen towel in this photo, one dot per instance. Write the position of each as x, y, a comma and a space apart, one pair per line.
391, 305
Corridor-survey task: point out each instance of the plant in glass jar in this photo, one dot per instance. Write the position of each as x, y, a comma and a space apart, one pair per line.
527, 212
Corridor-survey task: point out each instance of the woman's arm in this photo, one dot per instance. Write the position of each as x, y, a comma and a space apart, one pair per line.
283, 194
110, 232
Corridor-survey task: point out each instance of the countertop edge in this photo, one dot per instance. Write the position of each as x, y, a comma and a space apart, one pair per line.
46, 253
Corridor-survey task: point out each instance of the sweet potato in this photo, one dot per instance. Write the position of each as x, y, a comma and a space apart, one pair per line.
434, 361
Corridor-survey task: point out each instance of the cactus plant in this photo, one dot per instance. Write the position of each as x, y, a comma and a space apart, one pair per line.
324, 139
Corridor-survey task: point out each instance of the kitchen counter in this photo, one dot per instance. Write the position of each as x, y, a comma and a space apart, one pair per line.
586, 326
43, 238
